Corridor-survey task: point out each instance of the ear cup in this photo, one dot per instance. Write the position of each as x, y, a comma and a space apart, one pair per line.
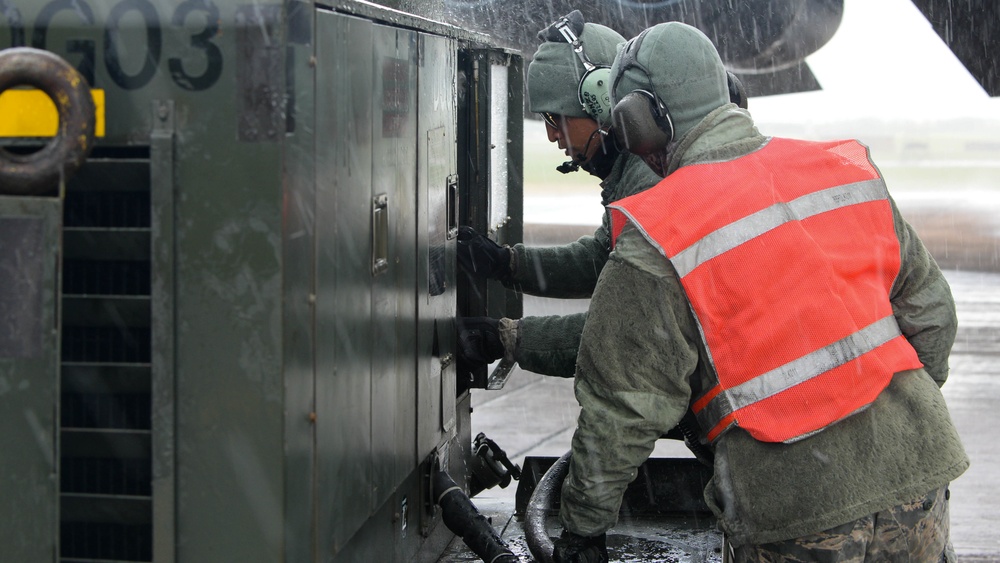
640, 120
737, 92
593, 94
639, 124
592, 91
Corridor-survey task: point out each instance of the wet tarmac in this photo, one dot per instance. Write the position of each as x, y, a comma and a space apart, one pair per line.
535, 415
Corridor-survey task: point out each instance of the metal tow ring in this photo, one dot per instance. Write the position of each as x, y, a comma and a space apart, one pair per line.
39, 172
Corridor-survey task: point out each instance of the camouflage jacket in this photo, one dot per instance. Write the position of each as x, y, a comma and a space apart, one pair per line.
548, 345
641, 362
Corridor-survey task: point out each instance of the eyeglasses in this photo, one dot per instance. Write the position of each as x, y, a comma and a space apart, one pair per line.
549, 119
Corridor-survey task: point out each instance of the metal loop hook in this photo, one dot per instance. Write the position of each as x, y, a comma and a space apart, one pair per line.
40, 172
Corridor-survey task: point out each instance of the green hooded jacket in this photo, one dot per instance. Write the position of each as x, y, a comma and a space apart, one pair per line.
548, 345
642, 362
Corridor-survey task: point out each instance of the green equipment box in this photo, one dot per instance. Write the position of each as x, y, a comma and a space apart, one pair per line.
228, 336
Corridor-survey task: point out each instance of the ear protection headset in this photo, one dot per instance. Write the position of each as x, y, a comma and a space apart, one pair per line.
737, 92
593, 88
641, 120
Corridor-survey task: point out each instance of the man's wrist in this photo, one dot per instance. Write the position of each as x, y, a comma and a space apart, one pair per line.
510, 337
512, 264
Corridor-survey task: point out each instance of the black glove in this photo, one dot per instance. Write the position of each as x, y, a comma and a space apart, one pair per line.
571, 548
480, 256
478, 340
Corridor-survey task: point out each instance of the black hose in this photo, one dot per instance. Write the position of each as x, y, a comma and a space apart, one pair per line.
464, 520
541, 501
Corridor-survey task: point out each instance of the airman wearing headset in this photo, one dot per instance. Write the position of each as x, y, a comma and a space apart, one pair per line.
568, 87
770, 287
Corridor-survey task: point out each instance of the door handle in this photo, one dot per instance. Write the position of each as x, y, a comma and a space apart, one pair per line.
380, 234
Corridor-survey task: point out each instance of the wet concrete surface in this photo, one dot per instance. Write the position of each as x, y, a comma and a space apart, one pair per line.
535, 415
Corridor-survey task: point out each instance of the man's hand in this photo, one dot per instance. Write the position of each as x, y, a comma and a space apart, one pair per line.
480, 256
571, 548
479, 340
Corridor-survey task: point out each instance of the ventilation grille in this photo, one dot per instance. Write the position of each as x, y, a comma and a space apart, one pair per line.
105, 420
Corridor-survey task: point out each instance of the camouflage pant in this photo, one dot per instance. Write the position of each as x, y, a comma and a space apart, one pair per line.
915, 531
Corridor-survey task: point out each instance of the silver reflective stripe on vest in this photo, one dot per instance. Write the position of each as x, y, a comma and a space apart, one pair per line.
799, 371
752, 226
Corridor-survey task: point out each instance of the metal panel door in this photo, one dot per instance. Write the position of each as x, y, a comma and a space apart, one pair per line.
344, 80
393, 287
383, 253
436, 230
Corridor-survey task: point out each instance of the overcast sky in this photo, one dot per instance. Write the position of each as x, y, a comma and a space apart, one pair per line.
884, 61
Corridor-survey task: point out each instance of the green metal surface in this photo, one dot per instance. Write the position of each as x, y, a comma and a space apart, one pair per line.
163, 295
228, 274
29, 382
300, 263
393, 304
343, 268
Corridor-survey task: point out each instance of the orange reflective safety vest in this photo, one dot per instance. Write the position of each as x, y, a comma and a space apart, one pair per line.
787, 256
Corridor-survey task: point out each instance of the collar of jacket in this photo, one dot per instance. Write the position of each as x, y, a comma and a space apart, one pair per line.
611, 182
603, 161
628, 176
726, 133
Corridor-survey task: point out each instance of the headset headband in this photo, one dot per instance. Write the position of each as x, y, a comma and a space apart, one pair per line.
592, 90
630, 58
562, 26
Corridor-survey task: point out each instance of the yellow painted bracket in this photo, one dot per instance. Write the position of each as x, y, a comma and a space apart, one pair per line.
31, 113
